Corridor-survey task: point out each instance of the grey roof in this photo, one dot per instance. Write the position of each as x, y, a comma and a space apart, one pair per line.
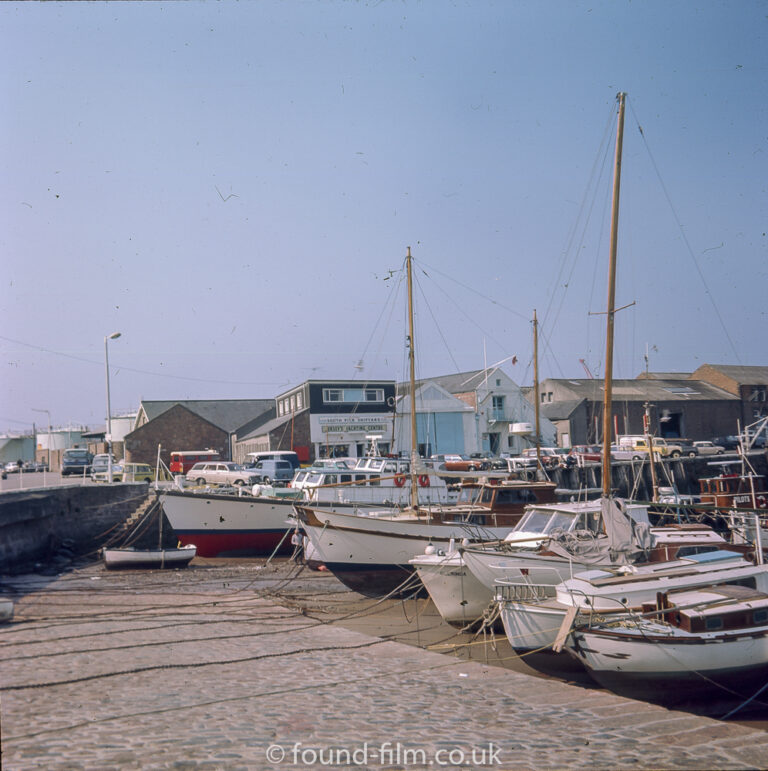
261, 429
459, 382
653, 389
226, 414
560, 410
741, 375
664, 375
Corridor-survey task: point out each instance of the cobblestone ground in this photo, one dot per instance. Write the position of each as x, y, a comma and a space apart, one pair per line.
234, 665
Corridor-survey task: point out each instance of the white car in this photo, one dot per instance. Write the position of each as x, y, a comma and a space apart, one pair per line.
221, 473
709, 448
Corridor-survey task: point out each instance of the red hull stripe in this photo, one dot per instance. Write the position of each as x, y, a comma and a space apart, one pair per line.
239, 544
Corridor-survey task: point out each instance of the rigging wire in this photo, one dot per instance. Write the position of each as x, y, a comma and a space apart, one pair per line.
688, 247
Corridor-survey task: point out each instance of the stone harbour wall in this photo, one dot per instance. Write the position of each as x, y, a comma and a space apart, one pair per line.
36, 524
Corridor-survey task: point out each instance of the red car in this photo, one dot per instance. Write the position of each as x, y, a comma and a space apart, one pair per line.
587, 452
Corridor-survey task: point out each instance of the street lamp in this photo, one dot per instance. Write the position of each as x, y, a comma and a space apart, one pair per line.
113, 336
48, 413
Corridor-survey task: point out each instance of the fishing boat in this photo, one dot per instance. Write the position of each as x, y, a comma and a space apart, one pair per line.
125, 558
704, 645
160, 558
539, 616
369, 549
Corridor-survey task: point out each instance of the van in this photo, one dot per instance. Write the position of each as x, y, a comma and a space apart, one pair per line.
288, 455
183, 460
270, 471
75, 461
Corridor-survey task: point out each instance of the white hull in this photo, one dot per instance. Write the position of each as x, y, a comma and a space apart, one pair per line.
530, 627
459, 597
149, 558
640, 652
371, 553
488, 567
228, 525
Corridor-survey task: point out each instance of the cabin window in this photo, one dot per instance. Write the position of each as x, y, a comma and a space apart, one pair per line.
299, 400
760, 616
713, 623
346, 477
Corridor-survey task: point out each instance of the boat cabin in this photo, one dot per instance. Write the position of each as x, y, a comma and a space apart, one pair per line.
733, 490
712, 608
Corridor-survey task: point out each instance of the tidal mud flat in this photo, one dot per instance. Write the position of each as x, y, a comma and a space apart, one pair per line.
240, 664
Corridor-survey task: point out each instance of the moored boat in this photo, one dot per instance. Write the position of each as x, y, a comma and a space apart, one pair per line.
126, 558
707, 646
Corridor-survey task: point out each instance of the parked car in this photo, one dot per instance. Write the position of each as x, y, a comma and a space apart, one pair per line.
100, 463
223, 473
289, 455
589, 453
729, 442
269, 472
75, 461
551, 457
127, 472
12, 467
708, 448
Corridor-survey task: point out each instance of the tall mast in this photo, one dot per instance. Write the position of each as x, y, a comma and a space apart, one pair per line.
537, 398
412, 367
607, 399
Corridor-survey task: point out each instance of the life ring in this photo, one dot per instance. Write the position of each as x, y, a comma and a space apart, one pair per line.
423, 481
760, 501
399, 480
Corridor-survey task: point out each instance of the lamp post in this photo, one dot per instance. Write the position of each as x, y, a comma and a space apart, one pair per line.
108, 437
48, 413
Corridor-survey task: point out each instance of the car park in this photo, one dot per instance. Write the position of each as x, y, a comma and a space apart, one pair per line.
224, 473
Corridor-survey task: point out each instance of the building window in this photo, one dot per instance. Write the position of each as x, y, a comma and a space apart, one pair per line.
299, 400
280, 409
293, 404
352, 395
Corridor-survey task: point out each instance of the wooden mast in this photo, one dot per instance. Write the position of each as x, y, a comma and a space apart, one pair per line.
537, 397
412, 368
607, 399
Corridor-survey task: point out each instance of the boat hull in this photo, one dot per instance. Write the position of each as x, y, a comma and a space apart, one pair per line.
672, 672
458, 596
143, 559
371, 554
227, 525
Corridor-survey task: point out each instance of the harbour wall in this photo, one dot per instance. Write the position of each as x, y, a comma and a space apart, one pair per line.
48, 525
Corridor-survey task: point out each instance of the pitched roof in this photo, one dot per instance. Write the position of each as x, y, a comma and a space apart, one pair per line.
741, 375
226, 414
656, 390
460, 382
560, 410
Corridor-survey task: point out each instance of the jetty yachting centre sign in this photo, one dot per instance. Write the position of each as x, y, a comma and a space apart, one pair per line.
348, 425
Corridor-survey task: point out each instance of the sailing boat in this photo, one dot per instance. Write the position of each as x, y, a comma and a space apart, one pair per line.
369, 550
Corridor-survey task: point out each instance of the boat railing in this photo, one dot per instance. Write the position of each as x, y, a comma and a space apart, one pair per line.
522, 591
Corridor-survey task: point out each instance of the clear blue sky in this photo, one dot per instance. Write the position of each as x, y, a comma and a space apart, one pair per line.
229, 184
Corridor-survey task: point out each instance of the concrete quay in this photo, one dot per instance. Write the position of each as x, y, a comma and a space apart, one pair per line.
239, 665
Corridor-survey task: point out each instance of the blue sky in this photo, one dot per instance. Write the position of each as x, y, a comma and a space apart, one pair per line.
229, 185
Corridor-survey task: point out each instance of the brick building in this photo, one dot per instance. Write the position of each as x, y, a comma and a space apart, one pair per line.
189, 425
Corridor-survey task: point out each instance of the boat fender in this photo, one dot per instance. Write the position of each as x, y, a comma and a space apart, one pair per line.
423, 481
399, 479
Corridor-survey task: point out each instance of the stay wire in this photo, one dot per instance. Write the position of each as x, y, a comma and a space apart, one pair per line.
688, 247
